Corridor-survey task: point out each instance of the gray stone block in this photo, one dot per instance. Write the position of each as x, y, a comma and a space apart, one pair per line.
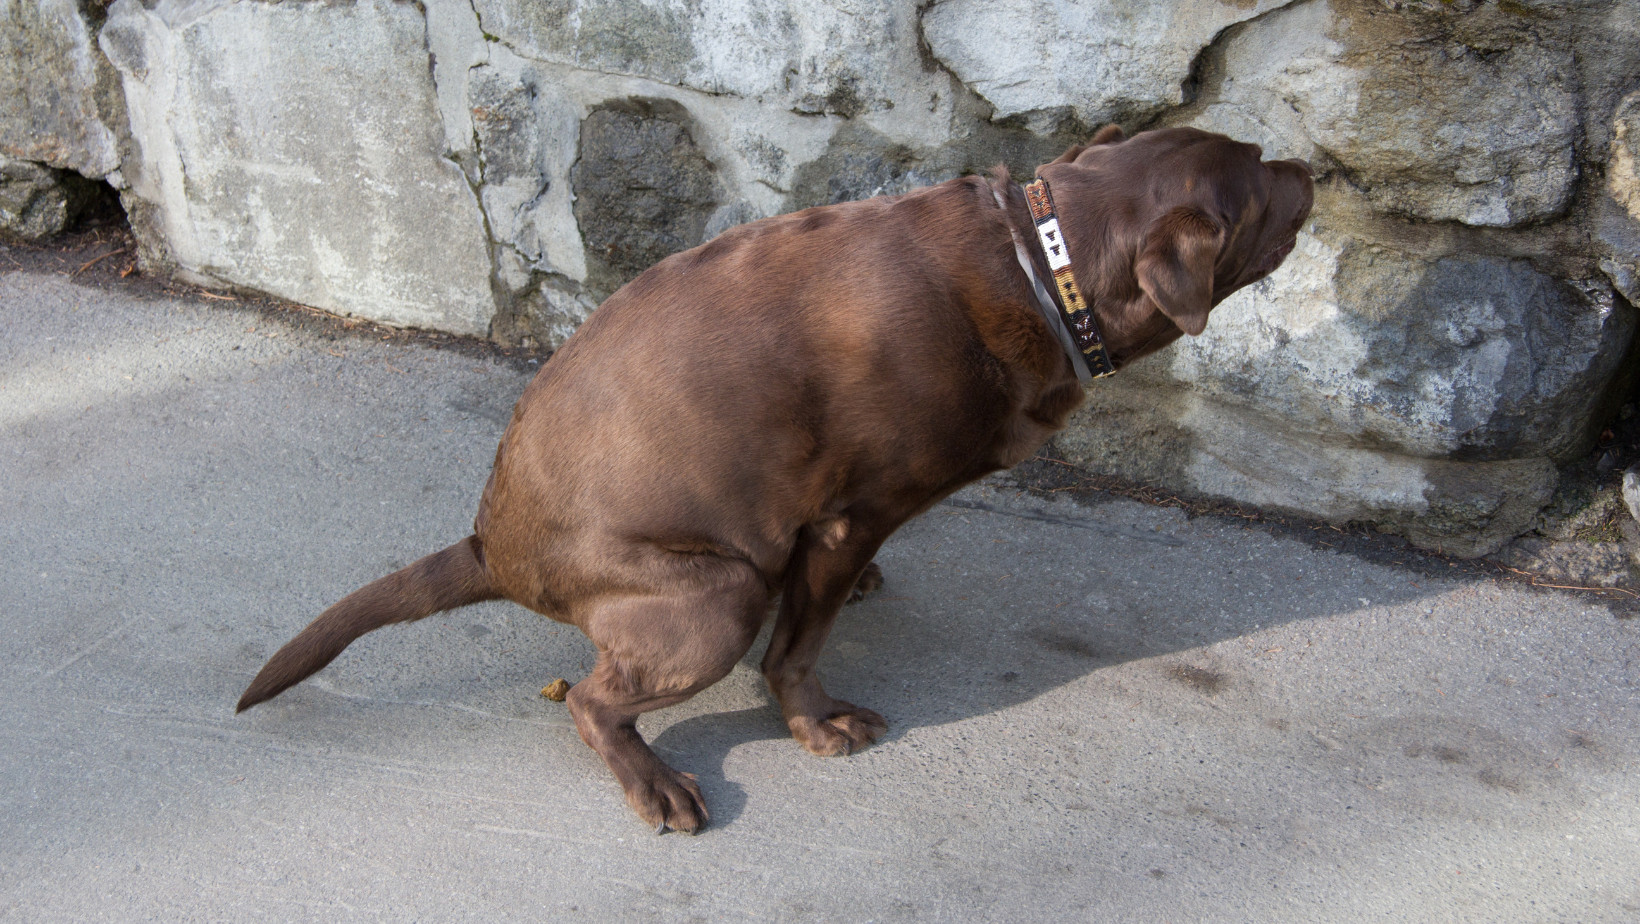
296, 149
1410, 106
1619, 215
816, 58
1432, 396
49, 76
643, 189
1467, 356
1098, 61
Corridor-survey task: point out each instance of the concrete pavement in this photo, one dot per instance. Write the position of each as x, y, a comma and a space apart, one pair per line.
1101, 711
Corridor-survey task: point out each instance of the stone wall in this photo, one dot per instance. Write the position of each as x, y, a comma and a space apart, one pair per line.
1450, 333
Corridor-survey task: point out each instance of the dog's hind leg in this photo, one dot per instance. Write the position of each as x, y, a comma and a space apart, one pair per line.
655, 652
819, 579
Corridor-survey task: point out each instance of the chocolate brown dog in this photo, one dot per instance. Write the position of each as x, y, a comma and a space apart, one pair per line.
750, 419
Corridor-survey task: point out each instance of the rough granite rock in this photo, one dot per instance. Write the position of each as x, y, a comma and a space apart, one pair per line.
1465, 356
1430, 395
48, 89
526, 135
1620, 214
524, 121
1408, 106
457, 46
37, 202
643, 189
1098, 60
295, 149
544, 312
1582, 538
861, 163
1146, 429
819, 58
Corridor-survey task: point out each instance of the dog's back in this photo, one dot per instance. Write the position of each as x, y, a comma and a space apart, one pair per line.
740, 390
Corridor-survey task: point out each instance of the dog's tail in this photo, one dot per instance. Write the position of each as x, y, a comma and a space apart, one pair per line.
441, 581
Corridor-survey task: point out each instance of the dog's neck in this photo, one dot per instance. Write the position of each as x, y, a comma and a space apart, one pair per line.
1067, 313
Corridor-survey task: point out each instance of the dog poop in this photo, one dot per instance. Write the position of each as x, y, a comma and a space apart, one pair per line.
557, 690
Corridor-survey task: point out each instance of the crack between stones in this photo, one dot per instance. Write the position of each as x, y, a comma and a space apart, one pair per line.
502, 297
493, 39
932, 63
1190, 87
498, 290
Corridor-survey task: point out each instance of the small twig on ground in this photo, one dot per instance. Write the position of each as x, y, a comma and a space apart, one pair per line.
1597, 590
95, 260
1536, 580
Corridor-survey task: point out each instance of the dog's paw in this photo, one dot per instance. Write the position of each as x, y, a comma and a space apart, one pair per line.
871, 581
840, 734
669, 800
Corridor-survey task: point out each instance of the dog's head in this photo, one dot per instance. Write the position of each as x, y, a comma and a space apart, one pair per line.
1168, 223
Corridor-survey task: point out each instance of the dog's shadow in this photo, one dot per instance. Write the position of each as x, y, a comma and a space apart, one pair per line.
701, 745
985, 607
984, 610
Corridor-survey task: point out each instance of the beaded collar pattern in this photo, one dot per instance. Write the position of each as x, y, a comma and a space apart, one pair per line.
1078, 316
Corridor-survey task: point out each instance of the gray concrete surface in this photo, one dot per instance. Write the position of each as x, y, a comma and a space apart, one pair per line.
1106, 712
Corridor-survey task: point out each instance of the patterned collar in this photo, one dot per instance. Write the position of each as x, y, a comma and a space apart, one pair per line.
1077, 315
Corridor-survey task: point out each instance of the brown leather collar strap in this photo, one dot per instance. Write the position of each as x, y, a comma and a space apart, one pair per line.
1078, 316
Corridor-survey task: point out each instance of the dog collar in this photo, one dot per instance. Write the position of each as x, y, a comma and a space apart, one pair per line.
1077, 316
1042, 301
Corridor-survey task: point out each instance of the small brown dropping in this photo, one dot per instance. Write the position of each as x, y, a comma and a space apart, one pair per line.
557, 690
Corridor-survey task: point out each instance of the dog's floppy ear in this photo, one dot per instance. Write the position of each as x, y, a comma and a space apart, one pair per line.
1175, 266
1110, 134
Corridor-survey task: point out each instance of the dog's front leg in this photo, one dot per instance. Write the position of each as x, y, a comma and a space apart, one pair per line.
825, 568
